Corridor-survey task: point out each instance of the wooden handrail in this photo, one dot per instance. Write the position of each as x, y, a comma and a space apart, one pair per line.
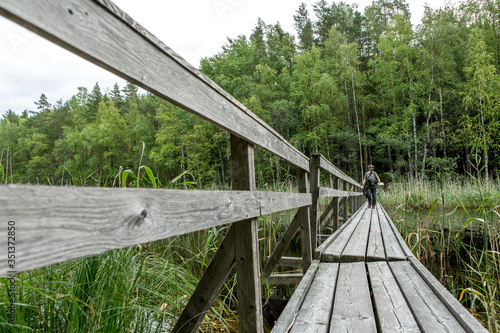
64, 223
61, 223
103, 34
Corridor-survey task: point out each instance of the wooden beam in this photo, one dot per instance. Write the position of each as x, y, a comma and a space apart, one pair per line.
315, 188
329, 167
327, 210
330, 192
284, 279
346, 204
305, 223
335, 214
286, 319
208, 287
290, 262
106, 36
246, 243
63, 223
278, 251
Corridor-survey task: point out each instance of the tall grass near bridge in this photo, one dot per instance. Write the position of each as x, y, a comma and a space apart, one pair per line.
453, 227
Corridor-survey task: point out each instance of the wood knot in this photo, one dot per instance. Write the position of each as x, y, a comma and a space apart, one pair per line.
136, 221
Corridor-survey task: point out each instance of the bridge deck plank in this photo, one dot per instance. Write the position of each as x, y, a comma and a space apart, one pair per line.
388, 290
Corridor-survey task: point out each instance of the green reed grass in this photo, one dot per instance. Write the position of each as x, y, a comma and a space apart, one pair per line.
465, 257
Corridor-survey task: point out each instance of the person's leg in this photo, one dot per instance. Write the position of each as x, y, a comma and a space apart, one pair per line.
374, 193
369, 192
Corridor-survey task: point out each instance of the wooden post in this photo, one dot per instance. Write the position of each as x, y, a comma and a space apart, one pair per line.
305, 223
246, 243
344, 212
335, 213
315, 173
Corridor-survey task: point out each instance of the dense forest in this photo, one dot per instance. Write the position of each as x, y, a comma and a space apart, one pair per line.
358, 87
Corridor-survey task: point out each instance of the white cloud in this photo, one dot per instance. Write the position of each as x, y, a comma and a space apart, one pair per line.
31, 65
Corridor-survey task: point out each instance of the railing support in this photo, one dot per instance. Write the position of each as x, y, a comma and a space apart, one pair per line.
314, 174
305, 223
335, 213
246, 243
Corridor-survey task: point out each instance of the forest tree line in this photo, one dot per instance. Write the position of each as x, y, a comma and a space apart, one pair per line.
358, 87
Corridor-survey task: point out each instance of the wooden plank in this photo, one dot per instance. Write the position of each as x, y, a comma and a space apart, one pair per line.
290, 261
314, 315
345, 211
375, 250
246, 243
333, 252
352, 310
104, 35
278, 251
330, 192
64, 223
355, 249
306, 232
329, 167
335, 213
288, 316
284, 279
315, 177
392, 246
406, 250
430, 314
208, 287
461, 314
393, 314
327, 210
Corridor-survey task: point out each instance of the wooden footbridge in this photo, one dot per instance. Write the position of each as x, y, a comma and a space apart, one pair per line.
360, 279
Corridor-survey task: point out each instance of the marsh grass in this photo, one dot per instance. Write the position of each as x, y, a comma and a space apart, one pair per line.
458, 237
465, 193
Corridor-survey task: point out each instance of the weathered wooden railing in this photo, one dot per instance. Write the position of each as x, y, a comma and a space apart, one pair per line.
57, 224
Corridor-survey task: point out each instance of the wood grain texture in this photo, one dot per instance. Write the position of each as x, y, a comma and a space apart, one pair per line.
334, 251
330, 241
352, 310
335, 213
375, 250
208, 287
430, 314
355, 249
246, 242
314, 315
278, 279
63, 223
304, 215
406, 250
392, 246
314, 188
104, 35
290, 261
463, 316
292, 308
393, 314
329, 167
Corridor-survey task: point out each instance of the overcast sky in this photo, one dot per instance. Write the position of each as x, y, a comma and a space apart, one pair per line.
30, 65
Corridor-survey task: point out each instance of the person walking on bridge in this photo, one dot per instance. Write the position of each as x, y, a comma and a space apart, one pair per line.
371, 181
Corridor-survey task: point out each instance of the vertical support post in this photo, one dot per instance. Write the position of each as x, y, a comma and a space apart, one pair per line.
246, 242
305, 223
315, 173
350, 199
335, 209
344, 212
